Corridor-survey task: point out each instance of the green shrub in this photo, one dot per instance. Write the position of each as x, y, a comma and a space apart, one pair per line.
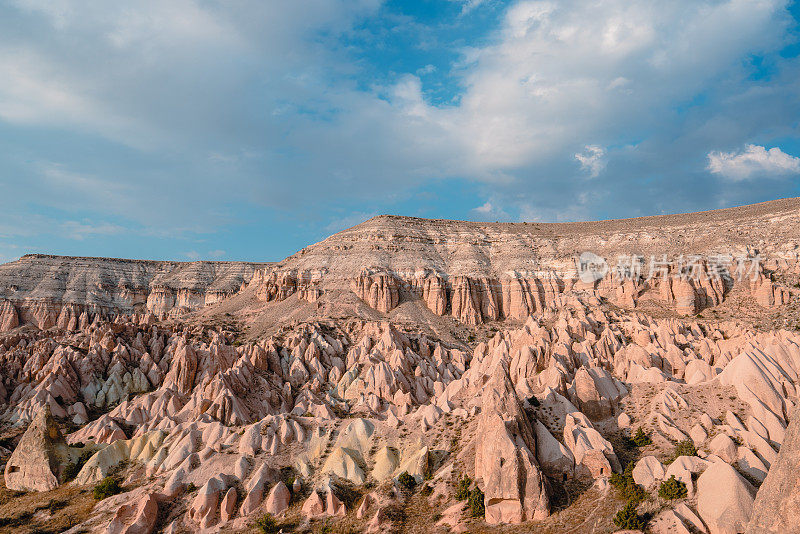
266, 524
72, 470
407, 481
685, 448
628, 489
475, 502
462, 488
106, 488
628, 518
672, 489
641, 439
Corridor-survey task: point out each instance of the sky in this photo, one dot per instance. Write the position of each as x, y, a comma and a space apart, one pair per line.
247, 130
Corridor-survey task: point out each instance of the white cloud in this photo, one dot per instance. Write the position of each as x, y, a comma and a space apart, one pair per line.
491, 211
592, 160
271, 80
753, 162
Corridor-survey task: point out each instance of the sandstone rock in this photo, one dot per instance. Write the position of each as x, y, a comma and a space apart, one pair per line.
648, 472
698, 434
668, 522
228, 505
379, 291
140, 450
120, 285
8, 316
314, 506
553, 457
386, 463
750, 464
724, 447
204, 509
624, 420
690, 518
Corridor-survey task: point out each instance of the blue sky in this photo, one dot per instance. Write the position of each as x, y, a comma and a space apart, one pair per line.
247, 130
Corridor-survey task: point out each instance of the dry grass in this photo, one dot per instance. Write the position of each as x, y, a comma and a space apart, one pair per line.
44, 512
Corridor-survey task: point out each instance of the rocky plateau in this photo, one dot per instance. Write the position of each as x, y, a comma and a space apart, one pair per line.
411, 375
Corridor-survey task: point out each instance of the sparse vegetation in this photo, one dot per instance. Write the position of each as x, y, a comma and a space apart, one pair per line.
672, 489
642, 439
72, 470
462, 488
684, 448
628, 489
628, 518
475, 502
106, 488
266, 524
407, 481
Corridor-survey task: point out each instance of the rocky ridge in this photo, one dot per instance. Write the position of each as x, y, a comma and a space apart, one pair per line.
375, 421
62, 291
482, 272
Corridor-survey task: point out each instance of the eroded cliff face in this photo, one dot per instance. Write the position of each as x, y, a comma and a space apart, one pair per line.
69, 292
481, 272
267, 403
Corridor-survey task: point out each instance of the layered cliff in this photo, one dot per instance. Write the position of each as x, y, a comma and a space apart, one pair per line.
481, 272
60, 290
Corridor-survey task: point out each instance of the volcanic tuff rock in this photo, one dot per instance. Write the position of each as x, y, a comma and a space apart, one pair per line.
777, 505
479, 272
346, 378
60, 290
505, 457
35, 463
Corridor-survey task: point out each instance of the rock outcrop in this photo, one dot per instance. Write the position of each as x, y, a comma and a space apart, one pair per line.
777, 505
724, 499
482, 272
35, 464
505, 456
365, 361
49, 291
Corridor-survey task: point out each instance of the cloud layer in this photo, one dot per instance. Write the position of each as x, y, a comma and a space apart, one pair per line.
753, 162
185, 120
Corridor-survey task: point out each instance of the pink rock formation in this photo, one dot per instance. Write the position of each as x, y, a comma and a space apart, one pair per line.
135, 518
278, 499
34, 465
8, 316
514, 488
379, 290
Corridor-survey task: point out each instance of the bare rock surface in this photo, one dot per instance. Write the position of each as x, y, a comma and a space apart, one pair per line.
724, 499
56, 290
514, 487
777, 505
371, 381
35, 463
